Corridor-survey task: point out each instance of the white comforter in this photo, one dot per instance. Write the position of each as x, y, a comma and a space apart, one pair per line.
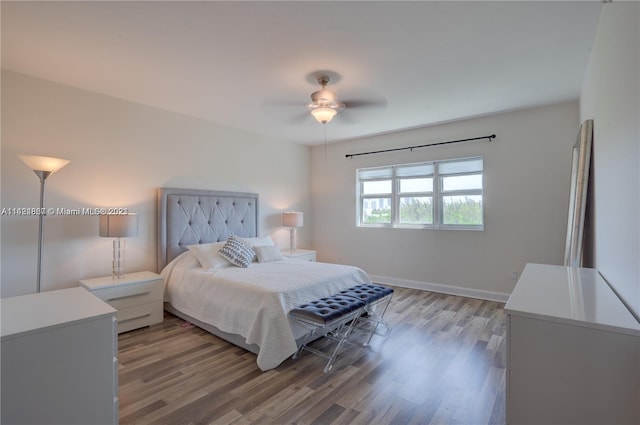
254, 302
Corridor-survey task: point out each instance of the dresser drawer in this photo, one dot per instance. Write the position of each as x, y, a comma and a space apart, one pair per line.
139, 316
125, 296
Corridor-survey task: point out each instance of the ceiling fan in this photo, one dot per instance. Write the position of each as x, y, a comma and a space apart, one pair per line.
324, 104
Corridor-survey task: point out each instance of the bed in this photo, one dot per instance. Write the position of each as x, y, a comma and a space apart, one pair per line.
245, 306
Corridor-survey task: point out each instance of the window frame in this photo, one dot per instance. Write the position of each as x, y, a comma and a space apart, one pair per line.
437, 194
372, 196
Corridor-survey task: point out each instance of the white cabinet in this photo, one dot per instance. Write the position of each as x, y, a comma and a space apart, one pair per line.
59, 359
136, 296
573, 350
300, 254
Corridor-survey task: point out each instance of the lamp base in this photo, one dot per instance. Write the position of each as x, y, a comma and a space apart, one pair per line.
292, 239
118, 263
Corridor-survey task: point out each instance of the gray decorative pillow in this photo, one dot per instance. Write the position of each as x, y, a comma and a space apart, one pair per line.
236, 252
268, 253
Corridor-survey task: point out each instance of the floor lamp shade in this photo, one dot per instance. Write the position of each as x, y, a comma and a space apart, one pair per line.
118, 226
43, 166
293, 219
43, 163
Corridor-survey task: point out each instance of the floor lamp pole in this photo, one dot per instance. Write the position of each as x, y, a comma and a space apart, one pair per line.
43, 177
43, 166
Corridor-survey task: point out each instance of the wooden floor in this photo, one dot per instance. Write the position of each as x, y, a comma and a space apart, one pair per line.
443, 363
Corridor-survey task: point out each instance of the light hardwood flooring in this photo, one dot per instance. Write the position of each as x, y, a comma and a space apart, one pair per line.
443, 363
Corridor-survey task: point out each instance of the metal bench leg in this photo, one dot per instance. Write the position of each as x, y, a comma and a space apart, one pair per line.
341, 342
339, 333
377, 318
329, 315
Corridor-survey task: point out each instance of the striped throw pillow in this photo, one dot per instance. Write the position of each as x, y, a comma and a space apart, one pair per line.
236, 252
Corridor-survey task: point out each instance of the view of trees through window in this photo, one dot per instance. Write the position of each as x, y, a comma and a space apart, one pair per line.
462, 210
416, 210
465, 210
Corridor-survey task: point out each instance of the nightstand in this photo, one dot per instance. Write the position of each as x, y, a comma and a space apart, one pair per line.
137, 297
300, 254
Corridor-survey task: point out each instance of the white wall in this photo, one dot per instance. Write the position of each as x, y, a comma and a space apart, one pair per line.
611, 96
120, 153
527, 175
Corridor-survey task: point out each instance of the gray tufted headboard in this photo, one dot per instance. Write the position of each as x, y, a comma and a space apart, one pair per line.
192, 216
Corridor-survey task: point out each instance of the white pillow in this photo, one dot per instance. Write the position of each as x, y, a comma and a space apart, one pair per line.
237, 252
268, 253
259, 241
208, 255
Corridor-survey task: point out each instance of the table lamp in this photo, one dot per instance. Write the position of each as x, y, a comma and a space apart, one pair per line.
292, 219
118, 226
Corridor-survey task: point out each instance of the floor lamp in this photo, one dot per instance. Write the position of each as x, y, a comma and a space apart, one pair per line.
43, 166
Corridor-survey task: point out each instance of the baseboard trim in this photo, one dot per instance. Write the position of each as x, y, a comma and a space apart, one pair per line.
443, 289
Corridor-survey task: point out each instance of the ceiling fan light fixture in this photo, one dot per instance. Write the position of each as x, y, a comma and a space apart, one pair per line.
323, 96
323, 114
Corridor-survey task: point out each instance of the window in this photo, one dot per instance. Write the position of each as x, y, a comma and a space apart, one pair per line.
439, 194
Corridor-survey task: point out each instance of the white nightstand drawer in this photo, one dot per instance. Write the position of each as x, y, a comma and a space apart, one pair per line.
300, 254
131, 295
139, 316
306, 257
136, 296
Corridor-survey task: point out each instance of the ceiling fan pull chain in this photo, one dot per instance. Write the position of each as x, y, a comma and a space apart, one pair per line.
324, 128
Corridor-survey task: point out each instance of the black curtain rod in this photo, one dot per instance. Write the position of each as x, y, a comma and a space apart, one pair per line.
351, 155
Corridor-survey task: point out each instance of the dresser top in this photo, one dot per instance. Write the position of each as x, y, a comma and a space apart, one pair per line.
571, 295
127, 279
35, 312
297, 252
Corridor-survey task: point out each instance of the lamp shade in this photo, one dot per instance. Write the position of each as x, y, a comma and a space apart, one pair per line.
323, 114
118, 226
292, 219
43, 163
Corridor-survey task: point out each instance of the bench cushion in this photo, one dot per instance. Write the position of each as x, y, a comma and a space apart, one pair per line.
368, 293
328, 309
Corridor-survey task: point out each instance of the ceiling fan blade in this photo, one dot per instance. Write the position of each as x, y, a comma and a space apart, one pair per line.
346, 116
281, 103
369, 103
299, 118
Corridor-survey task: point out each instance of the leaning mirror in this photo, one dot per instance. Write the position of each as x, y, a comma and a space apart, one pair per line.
580, 162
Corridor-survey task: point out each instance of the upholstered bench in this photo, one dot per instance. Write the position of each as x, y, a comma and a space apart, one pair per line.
376, 299
329, 315
369, 293
337, 316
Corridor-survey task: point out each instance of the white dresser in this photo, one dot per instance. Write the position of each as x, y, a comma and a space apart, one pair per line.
59, 359
573, 350
136, 296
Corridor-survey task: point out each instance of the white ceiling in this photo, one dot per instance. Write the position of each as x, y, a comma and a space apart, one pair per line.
251, 64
